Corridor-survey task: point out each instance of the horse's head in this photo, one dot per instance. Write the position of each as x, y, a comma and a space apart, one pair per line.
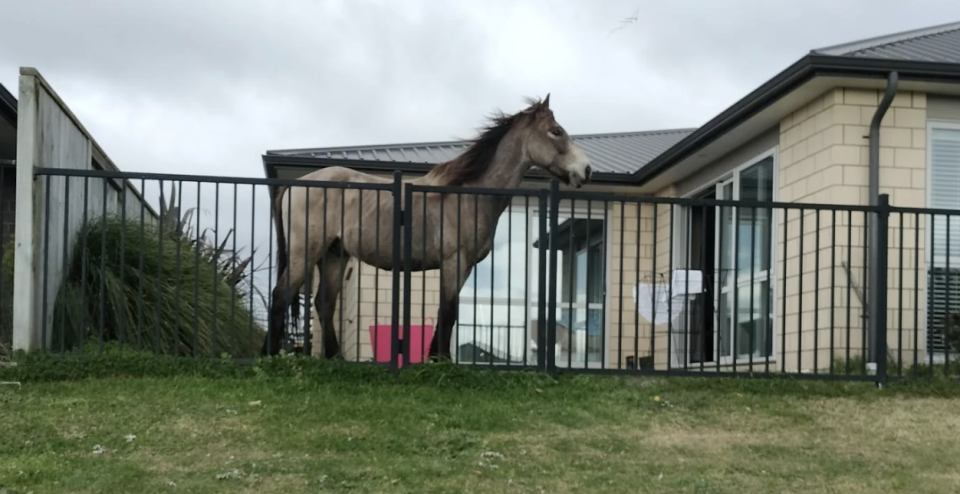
548, 146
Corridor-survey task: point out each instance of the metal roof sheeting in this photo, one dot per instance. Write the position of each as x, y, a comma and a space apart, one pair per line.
932, 44
610, 153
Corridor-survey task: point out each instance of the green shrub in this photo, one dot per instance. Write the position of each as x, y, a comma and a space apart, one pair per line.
155, 309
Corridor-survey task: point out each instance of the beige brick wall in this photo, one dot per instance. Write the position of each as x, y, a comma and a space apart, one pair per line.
645, 258
824, 159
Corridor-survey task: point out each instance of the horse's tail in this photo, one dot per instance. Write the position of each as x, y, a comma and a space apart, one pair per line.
282, 244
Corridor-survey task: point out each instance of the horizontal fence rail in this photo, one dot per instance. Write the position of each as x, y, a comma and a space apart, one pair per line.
394, 273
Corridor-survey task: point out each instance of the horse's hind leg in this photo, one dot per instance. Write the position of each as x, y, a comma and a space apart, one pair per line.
331, 267
288, 287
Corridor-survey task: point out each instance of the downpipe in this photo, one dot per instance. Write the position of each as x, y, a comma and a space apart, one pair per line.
874, 298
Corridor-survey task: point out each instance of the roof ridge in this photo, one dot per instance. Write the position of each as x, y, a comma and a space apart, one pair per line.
408, 145
886, 39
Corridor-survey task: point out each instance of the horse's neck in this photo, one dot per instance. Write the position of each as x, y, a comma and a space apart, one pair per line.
507, 169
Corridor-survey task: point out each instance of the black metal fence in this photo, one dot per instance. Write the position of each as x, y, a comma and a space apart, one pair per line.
568, 281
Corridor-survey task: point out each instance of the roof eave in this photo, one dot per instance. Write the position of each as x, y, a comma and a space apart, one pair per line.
271, 161
8, 105
808, 67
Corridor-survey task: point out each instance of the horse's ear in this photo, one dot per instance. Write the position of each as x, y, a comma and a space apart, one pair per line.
545, 105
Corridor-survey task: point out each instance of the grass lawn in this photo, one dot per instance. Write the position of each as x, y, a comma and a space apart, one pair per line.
317, 428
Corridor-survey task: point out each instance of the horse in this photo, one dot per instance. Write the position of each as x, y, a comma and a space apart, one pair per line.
343, 223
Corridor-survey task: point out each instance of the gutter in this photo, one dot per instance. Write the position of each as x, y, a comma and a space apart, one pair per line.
873, 274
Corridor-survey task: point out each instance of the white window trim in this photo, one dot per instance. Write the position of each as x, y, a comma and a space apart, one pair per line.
935, 124
928, 262
681, 249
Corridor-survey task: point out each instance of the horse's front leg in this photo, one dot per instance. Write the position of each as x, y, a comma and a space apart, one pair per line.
452, 280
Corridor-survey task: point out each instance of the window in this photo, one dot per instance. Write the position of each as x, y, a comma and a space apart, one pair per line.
944, 183
494, 313
943, 256
733, 246
497, 320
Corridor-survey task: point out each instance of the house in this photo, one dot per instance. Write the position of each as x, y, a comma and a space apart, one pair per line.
804, 136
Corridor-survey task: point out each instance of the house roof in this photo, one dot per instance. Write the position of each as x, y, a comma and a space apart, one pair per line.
8, 105
939, 43
930, 55
611, 153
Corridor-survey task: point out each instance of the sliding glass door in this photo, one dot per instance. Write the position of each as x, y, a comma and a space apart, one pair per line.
743, 263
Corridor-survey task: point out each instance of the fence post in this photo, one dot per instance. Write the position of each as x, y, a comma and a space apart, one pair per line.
551, 330
395, 280
879, 291
26, 327
404, 343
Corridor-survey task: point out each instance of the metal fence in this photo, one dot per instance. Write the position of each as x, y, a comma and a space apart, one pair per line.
570, 281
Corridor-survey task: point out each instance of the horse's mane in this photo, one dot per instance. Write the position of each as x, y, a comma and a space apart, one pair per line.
475, 161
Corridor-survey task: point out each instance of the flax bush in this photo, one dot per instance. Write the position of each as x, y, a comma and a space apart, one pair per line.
185, 299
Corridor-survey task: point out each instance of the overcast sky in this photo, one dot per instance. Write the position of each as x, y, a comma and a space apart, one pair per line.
207, 86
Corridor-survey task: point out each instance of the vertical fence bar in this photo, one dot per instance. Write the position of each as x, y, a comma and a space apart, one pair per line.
493, 270
620, 304
103, 265
123, 259
916, 290
704, 278
159, 296
849, 286
196, 279
543, 247
783, 297
66, 259
308, 270
395, 282
407, 223
46, 245
423, 276
880, 298
816, 294
833, 286
653, 291
216, 262
900, 302
946, 344
253, 225
670, 276
526, 285
177, 235
375, 338
552, 298
800, 293
634, 305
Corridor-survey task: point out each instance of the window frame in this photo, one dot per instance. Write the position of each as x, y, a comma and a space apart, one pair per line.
733, 176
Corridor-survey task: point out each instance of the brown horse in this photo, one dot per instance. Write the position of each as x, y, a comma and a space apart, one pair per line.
498, 158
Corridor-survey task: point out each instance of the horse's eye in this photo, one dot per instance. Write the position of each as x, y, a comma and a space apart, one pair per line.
556, 131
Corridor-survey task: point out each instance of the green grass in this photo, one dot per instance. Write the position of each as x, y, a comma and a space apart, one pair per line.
298, 425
